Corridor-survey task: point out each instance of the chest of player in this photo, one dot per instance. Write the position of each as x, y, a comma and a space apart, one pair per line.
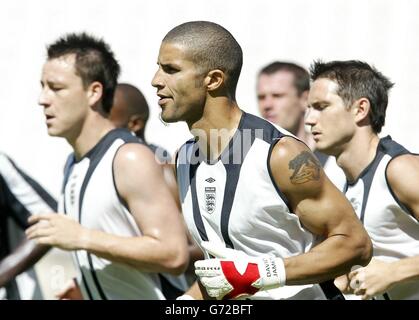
90, 196
378, 209
236, 203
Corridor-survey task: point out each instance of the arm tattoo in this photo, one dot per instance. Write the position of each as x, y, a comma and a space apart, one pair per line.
306, 168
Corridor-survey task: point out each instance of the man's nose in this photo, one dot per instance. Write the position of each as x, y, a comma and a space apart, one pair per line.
310, 118
157, 81
43, 99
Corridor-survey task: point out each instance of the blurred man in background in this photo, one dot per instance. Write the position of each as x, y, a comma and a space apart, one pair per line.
282, 92
20, 196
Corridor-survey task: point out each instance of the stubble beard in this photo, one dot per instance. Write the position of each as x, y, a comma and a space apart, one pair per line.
166, 124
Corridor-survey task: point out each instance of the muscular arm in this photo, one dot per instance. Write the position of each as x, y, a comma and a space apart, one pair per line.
23, 257
379, 276
162, 247
323, 210
403, 178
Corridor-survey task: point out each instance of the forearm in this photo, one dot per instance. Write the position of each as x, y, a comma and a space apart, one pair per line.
26, 255
319, 265
405, 270
144, 252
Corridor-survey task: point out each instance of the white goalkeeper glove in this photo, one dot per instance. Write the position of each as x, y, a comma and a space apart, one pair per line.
233, 274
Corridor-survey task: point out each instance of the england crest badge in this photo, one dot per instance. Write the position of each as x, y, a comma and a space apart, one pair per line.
210, 199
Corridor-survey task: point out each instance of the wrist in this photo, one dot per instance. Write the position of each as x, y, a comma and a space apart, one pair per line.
281, 271
84, 239
398, 272
273, 274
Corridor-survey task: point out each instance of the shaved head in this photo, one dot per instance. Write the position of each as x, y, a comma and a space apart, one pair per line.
129, 105
211, 47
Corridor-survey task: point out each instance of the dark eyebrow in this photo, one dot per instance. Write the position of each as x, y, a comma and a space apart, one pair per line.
318, 104
170, 65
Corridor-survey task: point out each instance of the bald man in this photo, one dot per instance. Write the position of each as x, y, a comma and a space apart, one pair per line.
247, 192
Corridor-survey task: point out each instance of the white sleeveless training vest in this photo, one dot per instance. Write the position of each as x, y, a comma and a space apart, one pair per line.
394, 231
91, 198
234, 201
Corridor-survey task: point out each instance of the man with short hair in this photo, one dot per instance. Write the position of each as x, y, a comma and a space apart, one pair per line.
122, 231
130, 110
347, 107
253, 198
282, 91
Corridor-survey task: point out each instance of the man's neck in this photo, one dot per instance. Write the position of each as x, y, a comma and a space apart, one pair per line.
216, 127
358, 154
94, 128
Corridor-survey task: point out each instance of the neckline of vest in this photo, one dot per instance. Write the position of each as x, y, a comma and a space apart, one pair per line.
227, 150
378, 151
108, 136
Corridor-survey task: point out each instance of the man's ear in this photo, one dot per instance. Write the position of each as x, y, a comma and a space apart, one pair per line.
214, 79
94, 93
136, 123
361, 110
304, 100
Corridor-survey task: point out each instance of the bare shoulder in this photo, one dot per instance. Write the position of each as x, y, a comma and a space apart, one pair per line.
403, 177
293, 164
403, 170
135, 160
300, 177
134, 154
403, 165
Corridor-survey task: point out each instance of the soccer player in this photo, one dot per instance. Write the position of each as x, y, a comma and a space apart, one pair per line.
347, 108
253, 198
121, 222
130, 110
282, 92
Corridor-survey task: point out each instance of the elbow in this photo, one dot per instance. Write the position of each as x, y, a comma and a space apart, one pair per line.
367, 252
178, 262
178, 266
364, 250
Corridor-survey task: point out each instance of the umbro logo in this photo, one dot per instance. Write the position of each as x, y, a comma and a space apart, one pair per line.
210, 180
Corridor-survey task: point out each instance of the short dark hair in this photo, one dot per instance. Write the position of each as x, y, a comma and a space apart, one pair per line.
355, 80
135, 100
301, 76
94, 62
212, 47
